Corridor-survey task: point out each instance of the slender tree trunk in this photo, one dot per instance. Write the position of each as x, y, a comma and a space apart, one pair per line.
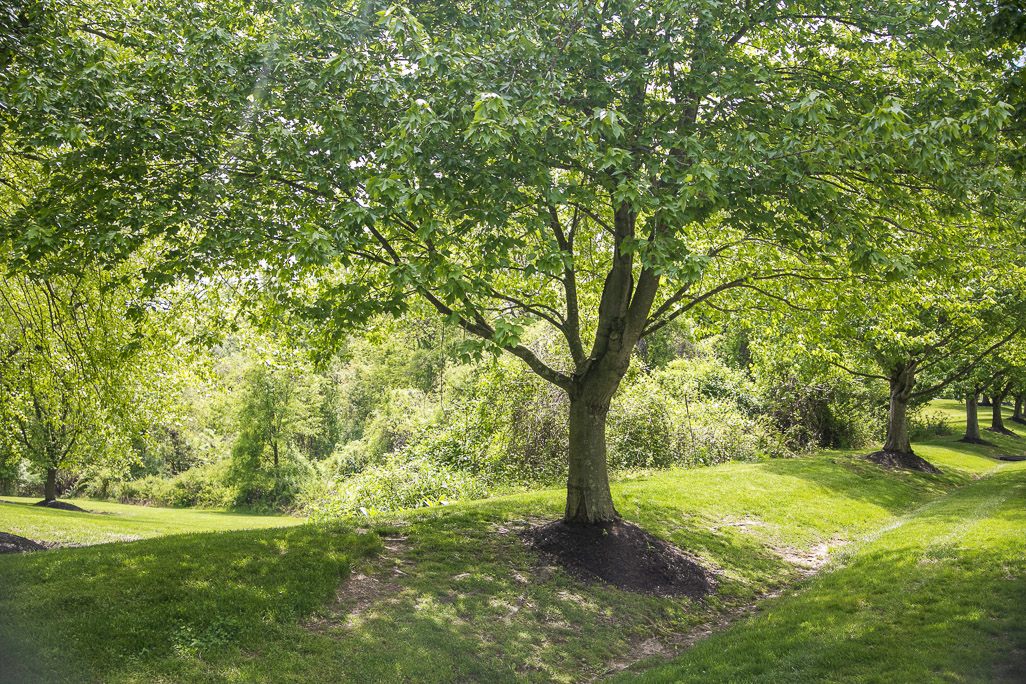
50, 488
985, 400
274, 450
997, 423
972, 419
903, 379
1017, 415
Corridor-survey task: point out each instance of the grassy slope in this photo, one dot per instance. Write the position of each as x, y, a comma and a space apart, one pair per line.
461, 598
119, 522
939, 596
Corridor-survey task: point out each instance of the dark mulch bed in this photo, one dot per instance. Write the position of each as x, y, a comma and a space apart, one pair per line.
1020, 421
974, 440
12, 543
1018, 457
905, 461
623, 555
62, 505
1002, 431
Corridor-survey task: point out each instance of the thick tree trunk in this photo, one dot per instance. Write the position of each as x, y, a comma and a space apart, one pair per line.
972, 419
588, 499
903, 379
50, 488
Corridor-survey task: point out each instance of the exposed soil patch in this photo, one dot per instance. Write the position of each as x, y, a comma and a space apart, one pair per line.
12, 543
623, 555
1018, 457
973, 440
361, 591
62, 505
1002, 431
903, 460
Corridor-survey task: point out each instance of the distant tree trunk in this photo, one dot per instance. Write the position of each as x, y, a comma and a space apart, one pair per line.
274, 450
50, 488
997, 423
985, 400
972, 419
903, 379
1017, 415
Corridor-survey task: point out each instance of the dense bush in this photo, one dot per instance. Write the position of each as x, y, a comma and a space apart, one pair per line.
399, 482
834, 411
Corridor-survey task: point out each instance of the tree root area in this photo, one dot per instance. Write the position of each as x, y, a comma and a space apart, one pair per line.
1020, 421
623, 555
904, 460
977, 441
62, 505
12, 543
1001, 431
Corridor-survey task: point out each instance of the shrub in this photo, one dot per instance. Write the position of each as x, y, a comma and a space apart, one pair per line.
400, 482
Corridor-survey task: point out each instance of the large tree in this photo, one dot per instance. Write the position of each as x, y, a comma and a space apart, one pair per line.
601, 167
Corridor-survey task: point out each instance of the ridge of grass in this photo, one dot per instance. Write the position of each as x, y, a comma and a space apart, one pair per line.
937, 597
453, 593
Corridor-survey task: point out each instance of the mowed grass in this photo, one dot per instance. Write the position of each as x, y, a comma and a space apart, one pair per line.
939, 596
108, 522
452, 594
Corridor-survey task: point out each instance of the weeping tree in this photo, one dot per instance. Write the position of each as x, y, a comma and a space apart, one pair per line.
604, 168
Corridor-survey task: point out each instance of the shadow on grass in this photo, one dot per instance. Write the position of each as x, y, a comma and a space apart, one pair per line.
940, 598
78, 614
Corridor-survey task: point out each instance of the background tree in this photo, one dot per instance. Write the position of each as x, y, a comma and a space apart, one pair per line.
76, 383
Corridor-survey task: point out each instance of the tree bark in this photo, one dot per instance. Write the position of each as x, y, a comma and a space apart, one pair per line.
50, 488
985, 400
588, 499
997, 423
972, 419
903, 379
1017, 414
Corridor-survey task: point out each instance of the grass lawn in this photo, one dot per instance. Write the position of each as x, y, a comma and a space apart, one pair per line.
938, 596
451, 594
120, 522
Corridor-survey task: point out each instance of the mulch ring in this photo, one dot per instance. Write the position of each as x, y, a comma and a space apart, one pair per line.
623, 555
62, 505
12, 543
904, 460
1012, 457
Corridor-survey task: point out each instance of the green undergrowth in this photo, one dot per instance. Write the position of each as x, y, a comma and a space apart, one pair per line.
108, 522
454, 594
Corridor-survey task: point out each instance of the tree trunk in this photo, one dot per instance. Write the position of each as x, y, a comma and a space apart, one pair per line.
1017, 415
274, 450
972, 419
588, 499
985, 400
997, 423
50, 488
903, 379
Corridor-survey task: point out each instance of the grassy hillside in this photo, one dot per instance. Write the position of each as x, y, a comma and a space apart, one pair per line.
453, 594
118, 522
